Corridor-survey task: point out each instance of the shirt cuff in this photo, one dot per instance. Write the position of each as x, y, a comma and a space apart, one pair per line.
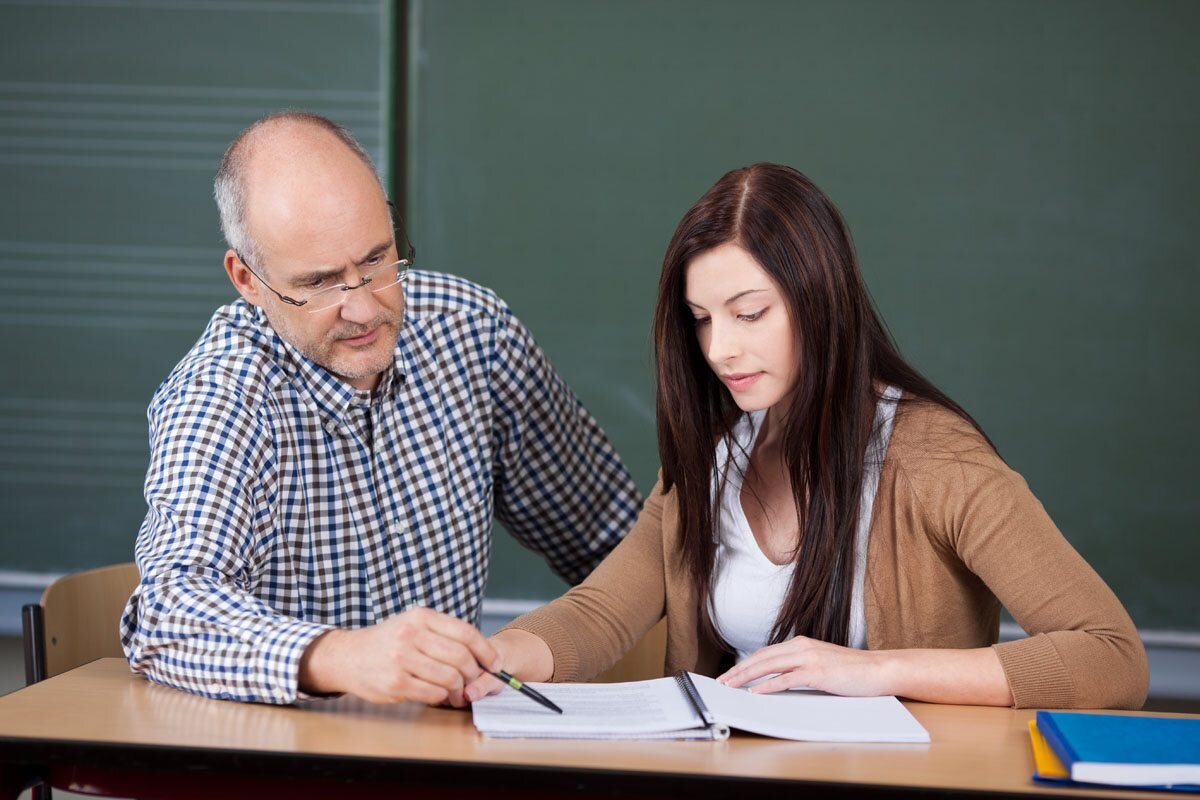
1036, 674
279, 656
561, 644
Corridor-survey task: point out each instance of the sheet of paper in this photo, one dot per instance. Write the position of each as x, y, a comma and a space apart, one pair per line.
639, 709
809, 716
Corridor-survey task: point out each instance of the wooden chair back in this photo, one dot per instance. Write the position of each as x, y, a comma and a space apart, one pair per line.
81, 616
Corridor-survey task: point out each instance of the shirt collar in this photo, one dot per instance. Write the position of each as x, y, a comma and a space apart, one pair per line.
332, 397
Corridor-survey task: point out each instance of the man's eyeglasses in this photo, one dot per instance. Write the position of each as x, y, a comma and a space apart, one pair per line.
326, 297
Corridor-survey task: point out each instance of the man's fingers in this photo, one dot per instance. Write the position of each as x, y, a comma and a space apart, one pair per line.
423, 692
429, 670
468, 635
452, 653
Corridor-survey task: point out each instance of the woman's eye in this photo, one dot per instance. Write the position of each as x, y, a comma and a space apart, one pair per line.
700, 321
752, 317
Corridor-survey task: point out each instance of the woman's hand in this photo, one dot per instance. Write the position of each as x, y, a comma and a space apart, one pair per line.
972, 676
522, 655
814, 664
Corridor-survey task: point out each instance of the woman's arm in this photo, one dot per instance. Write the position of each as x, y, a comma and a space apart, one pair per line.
587, 630
1082, 649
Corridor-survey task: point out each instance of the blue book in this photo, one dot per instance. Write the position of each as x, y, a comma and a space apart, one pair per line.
1126, 750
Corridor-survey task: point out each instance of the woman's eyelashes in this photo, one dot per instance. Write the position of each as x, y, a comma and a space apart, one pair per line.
753, 316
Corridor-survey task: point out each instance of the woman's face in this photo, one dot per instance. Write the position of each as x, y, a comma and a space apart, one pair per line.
743, 326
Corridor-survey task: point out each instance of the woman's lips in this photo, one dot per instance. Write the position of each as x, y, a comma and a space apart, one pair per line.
740, 382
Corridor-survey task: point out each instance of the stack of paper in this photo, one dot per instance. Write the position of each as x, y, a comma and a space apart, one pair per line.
662, 709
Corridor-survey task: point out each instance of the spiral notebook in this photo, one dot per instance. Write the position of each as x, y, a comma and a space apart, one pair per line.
691, 706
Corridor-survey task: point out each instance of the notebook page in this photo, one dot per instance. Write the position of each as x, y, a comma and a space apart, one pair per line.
811, 717
590, 710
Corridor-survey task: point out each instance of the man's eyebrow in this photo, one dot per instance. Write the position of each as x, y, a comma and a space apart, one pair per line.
375, 252
327, 272
730, 301
314, 275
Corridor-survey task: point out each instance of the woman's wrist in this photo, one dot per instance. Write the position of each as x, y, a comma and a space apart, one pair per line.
525, 654
894, 671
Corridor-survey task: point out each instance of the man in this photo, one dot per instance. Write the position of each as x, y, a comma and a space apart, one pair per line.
327, 459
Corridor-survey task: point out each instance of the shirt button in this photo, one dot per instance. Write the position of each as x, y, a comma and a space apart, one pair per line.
215, 688
331, 428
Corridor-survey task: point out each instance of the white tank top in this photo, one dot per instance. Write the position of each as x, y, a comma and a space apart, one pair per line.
748, 588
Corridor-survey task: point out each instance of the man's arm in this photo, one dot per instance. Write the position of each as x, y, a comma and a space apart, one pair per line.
560, 488
192, 623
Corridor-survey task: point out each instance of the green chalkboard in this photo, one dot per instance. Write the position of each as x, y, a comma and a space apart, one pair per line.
1021, 178
112, 119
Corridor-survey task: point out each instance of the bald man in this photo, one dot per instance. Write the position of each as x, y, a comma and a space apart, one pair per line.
327, 459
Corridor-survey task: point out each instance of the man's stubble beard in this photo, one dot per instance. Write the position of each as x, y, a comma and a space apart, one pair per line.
322, 352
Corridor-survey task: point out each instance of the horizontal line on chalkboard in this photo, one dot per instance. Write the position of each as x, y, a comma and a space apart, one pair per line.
105, 266
185, 108
73, 428
121, 407
220, 132
99, 161
91, 144
100, 284
81, 463
80, 406
83, 321
42, 89
120, 304
106, 479
53, 442
126, 251
257, 6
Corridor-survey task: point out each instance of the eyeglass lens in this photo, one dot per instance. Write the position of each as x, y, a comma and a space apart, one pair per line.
376, 280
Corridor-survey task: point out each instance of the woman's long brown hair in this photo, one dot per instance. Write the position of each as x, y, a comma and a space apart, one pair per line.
799, 238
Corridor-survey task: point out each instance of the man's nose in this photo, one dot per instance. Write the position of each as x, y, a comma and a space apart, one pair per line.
361, 305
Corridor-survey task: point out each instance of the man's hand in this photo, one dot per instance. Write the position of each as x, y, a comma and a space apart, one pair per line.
419, 655
523, 654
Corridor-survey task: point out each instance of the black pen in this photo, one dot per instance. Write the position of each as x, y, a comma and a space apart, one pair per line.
515, 683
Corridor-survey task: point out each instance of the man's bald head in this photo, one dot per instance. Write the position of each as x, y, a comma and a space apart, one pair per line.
275, 139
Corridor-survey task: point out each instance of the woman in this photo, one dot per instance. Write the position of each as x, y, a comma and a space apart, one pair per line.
825, 515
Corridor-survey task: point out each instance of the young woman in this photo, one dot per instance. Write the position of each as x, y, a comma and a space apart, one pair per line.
825, 515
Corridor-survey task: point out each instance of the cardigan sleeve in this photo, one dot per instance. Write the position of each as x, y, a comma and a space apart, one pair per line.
1082, 649
590, 627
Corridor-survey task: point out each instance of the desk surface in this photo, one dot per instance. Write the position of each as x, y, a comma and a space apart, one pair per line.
101, 715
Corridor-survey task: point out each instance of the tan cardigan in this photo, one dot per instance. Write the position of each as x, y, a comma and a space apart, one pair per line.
954, 533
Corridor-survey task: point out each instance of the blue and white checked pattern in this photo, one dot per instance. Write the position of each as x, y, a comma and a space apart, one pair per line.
283, 502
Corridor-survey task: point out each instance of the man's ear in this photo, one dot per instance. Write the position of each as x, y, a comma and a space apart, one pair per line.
243, 279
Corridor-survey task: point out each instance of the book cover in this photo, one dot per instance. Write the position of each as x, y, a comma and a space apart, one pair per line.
1125, 750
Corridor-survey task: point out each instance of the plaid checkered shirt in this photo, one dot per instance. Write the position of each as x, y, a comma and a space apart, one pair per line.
282, 502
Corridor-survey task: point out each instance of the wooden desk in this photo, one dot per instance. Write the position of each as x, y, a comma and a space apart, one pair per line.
102, 716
